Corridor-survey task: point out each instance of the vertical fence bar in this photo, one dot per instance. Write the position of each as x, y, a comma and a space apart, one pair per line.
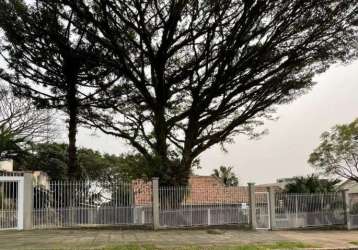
296, 210
252, 202
20, 205
2, 207
155, 203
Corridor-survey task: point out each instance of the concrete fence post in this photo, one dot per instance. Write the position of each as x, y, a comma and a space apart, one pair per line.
272, 204
252, 203
347, 217
155, 203
28, 201
209, 217
143, 217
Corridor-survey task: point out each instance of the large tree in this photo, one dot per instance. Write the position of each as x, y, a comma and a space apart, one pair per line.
194, 73
337, 153
50, 60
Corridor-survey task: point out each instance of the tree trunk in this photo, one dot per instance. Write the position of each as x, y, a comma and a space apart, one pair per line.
71, 70
161, 148
74, 171
184, 169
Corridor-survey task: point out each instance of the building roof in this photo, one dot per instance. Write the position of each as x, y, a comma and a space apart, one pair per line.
202, 190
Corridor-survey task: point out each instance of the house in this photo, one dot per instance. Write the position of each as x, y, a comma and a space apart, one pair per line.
206, 198
203, 190
350, 185
40, 178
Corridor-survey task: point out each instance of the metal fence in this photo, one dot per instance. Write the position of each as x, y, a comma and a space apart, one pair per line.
262, 210
309, 210
353, 210
187, 207
83, 203
8, 204
60, 204
11, 174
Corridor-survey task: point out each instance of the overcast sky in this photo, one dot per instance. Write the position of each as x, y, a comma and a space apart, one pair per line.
284, 151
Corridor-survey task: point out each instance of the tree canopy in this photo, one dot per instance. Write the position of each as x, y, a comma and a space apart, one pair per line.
198, 72
52, 158
188, 74
10, 146
50, 60
311, 184
337, 154
226, 175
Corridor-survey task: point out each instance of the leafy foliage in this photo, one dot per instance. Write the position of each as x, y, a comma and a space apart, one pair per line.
9, 145
193, 74
173, 78
52, 159
337, 153
49, 60
311, 184
226, 175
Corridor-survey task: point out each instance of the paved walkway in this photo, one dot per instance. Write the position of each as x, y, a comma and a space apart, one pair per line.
91, 238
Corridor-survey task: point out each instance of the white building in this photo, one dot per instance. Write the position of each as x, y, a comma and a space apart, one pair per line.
350, 185
7, 165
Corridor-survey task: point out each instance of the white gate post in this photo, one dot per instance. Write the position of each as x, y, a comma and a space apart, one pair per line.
252, 203
347, 217
155, 203
272, 219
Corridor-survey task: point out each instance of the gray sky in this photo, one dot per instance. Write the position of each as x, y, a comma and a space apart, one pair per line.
285, 150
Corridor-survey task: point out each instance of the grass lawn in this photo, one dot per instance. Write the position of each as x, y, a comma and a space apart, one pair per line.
278, 245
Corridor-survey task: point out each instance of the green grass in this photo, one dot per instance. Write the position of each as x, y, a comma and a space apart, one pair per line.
277, 245
354, 243
214, 231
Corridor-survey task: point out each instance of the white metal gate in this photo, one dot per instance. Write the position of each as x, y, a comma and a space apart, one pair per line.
262, 210
11, 202
309, 210
353, 210
188, 206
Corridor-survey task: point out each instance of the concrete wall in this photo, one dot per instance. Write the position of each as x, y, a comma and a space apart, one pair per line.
7, 165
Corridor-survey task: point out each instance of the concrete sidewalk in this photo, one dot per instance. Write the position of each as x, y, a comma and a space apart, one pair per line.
91, 238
